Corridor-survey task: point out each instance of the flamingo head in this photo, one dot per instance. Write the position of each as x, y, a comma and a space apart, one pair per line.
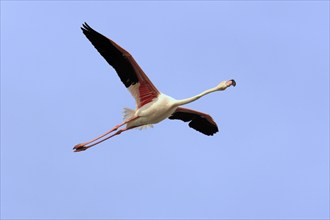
225, 84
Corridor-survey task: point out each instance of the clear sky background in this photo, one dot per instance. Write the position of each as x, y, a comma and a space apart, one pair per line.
270, 159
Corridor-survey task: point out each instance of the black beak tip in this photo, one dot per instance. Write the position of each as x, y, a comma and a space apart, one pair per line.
233, 82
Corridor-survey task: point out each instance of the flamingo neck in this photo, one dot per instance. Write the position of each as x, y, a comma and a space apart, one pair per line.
194, 98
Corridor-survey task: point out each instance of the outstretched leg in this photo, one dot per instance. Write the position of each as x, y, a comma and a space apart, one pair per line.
84, 146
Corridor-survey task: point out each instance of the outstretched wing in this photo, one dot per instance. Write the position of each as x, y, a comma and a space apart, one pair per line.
199, 121
129, 72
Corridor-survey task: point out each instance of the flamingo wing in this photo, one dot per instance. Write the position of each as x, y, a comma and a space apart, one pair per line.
197, 120
129, 72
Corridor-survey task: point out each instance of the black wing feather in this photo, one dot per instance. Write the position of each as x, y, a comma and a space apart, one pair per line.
198, 121
116, 56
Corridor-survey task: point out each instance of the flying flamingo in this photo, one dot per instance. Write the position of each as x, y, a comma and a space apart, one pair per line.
152, 106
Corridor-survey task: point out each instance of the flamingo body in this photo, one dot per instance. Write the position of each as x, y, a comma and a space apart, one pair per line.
153, 112
152, 106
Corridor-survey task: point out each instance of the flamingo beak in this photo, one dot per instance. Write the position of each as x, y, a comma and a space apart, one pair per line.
231, 83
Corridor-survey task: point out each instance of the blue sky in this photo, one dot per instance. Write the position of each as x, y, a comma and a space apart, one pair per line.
270, 159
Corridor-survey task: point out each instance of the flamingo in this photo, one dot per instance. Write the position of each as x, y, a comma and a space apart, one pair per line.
152, 106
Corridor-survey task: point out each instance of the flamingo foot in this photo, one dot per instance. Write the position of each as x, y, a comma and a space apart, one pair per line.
79, 148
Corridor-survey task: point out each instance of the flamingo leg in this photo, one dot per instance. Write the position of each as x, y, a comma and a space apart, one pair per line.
83, 146
117, 133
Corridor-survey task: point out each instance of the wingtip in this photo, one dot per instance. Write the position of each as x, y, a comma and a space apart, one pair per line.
86, 27
216, 130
